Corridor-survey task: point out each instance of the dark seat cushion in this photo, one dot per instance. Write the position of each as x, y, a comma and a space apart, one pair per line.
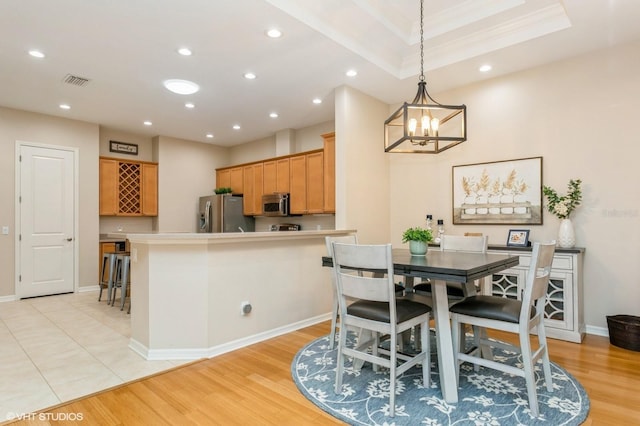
492, 307
452, 291
379, 311
399, 288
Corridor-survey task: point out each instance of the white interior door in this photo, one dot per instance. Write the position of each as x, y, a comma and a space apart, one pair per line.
46, 234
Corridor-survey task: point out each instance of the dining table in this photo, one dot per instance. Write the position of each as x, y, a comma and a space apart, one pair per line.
440, 267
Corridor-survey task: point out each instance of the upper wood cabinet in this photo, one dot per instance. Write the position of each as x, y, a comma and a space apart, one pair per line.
223, 178
253, 183
128, 188
306, 183
308, 177
329, 172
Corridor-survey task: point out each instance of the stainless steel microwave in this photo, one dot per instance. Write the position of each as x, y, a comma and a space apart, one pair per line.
276, 204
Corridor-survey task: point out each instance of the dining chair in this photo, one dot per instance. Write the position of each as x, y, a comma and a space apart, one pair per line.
347, 239
455, 291
516, 316
377, 310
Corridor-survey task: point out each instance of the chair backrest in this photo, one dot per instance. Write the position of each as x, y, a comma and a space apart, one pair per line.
346, 239
464, 243
537, 280
348, 259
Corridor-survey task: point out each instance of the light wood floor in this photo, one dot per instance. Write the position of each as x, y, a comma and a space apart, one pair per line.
253, 386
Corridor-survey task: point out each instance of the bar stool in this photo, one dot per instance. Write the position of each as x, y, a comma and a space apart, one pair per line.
123, 262
108, 261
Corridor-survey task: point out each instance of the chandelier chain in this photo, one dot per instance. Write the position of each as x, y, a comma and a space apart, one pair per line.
421, 40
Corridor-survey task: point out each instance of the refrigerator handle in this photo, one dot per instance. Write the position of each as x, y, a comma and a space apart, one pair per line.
207, 217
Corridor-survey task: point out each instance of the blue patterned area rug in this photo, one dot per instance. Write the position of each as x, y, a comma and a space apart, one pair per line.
487, 397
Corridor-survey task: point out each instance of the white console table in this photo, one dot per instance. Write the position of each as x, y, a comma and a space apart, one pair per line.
564, 317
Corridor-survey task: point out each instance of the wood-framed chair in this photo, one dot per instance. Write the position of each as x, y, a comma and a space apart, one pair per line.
378, 311
516, 316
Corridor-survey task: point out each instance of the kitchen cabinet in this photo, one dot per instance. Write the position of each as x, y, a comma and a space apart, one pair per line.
306, 183
223, 178
236, 180
564, 317
329, 175
128, 188
253, 189
276, 175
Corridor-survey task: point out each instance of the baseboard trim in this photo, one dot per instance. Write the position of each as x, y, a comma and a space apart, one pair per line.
10, 298
598, 331
197, 353
86, 289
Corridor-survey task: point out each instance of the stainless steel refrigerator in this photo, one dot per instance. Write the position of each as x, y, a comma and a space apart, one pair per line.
223, 213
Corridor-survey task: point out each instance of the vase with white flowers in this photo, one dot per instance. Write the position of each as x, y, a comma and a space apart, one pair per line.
562, 207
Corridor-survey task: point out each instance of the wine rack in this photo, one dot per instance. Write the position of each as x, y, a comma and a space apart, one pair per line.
129, 189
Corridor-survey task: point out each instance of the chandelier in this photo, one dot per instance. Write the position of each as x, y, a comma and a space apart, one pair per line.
424, 125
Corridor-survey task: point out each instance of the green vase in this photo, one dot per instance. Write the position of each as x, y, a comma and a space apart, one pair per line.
418, 248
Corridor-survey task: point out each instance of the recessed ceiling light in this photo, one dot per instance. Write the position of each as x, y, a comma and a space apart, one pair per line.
249, 76
36, 54
181, 87
236, 127
485, 68
64, 106
147, 123
189, 105
185, 51
273, 115
210, 135
274, 33
317, 101
352, 73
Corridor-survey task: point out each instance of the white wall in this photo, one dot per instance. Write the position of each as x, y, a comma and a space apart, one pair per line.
186, 171
362, 166
579, 115
43, 129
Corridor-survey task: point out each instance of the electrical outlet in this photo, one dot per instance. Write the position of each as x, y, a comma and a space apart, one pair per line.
245, 308
5, 230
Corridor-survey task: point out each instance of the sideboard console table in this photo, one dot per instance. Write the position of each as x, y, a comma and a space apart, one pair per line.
564, 317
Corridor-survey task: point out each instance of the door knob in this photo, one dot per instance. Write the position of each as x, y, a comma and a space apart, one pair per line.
69, 239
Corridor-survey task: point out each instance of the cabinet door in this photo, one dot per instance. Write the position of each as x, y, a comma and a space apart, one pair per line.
329, 173
149, 189
247, 204
283, 175
236, 180
108, 187
258, 182
223, 178
298, 184
270, 177
315, 182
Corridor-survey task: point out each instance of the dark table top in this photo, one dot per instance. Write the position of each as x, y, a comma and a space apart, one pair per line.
447, 265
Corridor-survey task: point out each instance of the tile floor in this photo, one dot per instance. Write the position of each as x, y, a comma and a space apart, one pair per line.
57, 348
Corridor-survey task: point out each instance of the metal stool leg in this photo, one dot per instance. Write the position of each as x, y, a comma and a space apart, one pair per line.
125, 279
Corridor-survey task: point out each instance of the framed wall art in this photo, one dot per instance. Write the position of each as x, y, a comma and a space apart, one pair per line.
123, 147
505, 192
518, 238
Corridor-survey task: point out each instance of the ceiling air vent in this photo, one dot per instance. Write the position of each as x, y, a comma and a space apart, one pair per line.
75, 80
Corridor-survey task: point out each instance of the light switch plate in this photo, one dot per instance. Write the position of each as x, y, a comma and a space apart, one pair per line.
5, 230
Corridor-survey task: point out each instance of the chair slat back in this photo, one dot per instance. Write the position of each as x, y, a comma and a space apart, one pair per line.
464, 243
538, 275
346, 239
349, 258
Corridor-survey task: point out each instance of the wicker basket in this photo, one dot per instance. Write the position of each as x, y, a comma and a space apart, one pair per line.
624, 331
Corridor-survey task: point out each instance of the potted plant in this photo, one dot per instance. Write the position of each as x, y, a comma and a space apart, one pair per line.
222, 190
418, 239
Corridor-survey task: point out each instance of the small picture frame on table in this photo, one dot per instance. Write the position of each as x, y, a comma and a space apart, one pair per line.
518, 238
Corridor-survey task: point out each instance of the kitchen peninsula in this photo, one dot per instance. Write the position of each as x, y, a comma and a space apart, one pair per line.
188, 289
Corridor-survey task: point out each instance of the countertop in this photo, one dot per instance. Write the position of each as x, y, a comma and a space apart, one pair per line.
222, 238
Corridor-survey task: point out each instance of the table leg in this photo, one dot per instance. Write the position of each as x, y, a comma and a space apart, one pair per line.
444, 343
